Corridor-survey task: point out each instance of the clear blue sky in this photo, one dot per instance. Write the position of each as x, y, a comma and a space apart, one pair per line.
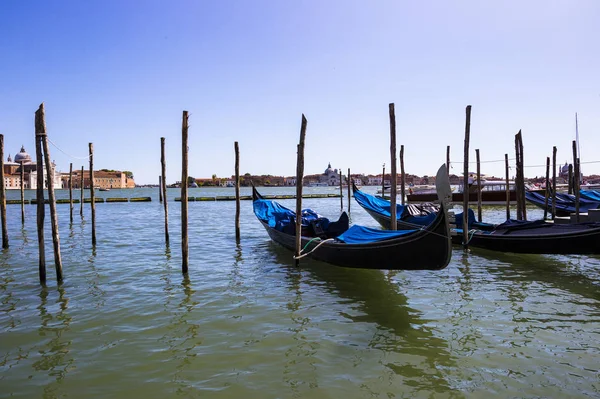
120, 73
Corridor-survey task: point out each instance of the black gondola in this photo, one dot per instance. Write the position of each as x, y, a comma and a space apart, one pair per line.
409, 216
565, 203
428, 248
533, 237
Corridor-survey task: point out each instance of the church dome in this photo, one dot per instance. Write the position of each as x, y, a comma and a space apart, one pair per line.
565, 168
329, 170
22, 156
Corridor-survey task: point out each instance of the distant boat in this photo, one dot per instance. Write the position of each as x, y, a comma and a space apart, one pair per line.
314, 184
104, 189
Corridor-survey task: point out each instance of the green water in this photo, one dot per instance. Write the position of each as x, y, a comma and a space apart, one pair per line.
247, 323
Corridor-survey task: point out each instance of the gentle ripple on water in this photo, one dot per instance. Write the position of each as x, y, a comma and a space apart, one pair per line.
247, 323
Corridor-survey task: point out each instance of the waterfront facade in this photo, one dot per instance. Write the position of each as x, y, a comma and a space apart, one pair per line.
23, 161
105, 179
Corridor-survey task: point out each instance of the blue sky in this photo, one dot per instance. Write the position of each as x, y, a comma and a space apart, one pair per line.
120, 73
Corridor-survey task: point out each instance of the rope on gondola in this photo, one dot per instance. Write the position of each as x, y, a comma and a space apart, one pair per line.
314, 249
472, 233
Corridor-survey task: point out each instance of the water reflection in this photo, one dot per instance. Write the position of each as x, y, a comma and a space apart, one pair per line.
54, 357
575, 274
373, 297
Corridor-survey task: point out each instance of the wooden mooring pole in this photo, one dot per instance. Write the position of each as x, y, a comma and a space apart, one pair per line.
3, 195
394, 177
522, 179
466, 179
160, 184
570, 183
479, 218
299, 177
51, 198
71, 192
553, 182
506, 172
402, 176
184, 194
41, 212
341, 193
82, 182
547, 190
383, 182
92, 194
163, 187
576, 179
22, 194
518, 183
448, 160
349, 192
237, 191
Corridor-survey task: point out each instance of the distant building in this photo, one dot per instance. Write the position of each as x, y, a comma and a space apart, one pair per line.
23, 161
102, 179
331, 176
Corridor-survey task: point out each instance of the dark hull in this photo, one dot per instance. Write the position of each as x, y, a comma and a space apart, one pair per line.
487, 197
428, 249
558, 239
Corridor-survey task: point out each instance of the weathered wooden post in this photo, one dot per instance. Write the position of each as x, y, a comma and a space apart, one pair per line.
41, 212
163, 187
51, 198
479, 218
570, 182
553, 182
82, 181
349, 192
3, 195
448, 160
92, 194
518, 183
394, 177
71, 192
184, 194
402, 176
506, 172
522, 160
576, 179
341, 193
22, 194
383, 182
547, 190
299, 177
466, 179
160, 186
237, 191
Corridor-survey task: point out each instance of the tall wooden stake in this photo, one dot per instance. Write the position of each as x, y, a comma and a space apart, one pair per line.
383, 182
3, 195
394, 178
51, 197
22, 193
92, 194
184, 194
479, 218
402, 176
163, 187
506, 172
466, 179
518, 178
160, 187
522, 179
570, 183
71, 192
576, 178
547, 191
41, 212
553, 182
448, 160
82, 180
237, 191
299, 177
349, 193
341, 194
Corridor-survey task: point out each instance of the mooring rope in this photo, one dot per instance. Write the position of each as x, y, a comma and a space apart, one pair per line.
61, 150
314, 249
